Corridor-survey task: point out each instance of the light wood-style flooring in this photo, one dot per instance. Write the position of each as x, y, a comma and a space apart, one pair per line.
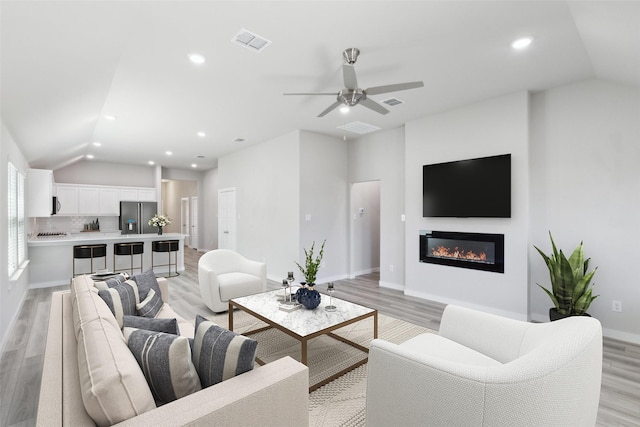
22, 355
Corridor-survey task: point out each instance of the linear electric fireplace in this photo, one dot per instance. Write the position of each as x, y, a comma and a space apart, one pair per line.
478, 251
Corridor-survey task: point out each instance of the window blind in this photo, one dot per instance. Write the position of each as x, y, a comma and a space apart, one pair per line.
16, 219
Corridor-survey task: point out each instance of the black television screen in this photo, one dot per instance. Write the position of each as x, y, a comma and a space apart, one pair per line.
474, 188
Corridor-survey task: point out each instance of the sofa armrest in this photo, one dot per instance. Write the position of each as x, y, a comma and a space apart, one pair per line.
275, 394
164, 288
477, 330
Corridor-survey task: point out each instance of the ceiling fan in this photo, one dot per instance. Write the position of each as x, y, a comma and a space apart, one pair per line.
352, 95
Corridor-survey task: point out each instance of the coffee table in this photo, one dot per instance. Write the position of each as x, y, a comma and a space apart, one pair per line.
303, 324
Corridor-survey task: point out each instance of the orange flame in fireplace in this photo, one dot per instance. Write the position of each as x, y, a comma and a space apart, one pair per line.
444, 252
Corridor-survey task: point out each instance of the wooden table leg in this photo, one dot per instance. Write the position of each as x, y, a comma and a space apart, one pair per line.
303, 357
230, 317
375, 324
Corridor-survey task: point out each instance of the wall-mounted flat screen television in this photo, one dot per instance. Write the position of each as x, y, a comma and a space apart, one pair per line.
473, 188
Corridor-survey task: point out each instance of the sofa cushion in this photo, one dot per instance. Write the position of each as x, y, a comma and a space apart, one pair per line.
234, 285
112, 384
166, 362
186, 327
437, 346
151, 305
121, 299
169, 326
147, 281
219, 354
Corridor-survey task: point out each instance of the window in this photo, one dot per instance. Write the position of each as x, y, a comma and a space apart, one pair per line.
15, 204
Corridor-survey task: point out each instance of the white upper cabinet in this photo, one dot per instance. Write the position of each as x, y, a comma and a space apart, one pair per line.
109, 201
39, 192
76, 199
67, 198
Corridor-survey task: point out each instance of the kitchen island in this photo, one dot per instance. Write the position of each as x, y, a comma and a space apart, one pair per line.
51, 259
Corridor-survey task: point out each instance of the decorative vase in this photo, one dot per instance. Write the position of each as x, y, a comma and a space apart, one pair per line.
159, 231
309, 297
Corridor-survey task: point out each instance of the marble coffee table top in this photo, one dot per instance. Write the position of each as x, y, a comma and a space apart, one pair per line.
302, 322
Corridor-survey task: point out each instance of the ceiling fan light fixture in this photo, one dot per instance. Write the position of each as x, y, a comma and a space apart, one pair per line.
344, 109
351, 97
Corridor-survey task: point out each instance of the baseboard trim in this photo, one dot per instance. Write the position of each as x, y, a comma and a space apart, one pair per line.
390, 285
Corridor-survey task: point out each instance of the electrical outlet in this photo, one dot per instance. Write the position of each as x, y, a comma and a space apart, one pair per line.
616, 306
391, 268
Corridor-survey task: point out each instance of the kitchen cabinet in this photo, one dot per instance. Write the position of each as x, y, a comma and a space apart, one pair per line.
109, 201
39, 192
68, 199
89, 200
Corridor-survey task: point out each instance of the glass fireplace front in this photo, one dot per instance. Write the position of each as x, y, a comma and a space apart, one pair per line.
479, 251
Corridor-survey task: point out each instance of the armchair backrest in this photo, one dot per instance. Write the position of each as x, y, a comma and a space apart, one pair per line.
222, 261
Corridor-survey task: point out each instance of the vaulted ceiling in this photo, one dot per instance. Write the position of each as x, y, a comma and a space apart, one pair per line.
67, 64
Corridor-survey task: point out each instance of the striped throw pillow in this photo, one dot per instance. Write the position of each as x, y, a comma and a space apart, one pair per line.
165, 360
169, 326
219, 354
121, 299
151, 305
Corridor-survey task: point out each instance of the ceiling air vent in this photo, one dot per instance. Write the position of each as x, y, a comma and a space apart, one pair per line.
359, 127
392, 102
250, 40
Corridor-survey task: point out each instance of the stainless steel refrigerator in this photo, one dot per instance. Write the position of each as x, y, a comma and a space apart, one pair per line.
134, 217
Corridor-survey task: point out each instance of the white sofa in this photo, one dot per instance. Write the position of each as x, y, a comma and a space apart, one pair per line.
256, 397
486, 370
224, 274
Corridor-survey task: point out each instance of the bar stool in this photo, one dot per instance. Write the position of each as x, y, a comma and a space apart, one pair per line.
89, 252
130, 249
169, 246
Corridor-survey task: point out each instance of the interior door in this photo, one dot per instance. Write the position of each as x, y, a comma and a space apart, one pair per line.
184, 220
227, 219
194, 222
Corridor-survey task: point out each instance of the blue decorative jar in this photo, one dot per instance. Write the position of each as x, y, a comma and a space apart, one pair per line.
309, 298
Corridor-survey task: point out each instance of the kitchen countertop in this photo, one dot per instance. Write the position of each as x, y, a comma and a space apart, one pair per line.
101, 237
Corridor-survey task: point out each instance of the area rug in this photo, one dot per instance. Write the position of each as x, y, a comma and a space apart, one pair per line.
342, 401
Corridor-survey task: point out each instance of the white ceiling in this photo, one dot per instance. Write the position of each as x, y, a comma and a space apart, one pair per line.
65, 64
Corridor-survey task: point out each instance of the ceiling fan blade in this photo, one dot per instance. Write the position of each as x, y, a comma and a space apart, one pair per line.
373, 105
376, 90
349, 76
312, 93
331, 108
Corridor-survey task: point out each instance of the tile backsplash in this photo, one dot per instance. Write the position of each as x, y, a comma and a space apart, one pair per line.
74, 224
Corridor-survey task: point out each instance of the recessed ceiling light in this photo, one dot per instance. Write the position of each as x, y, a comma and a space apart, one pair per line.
239, 140
200, 156
196, 58
109, 117
193, 165
168, 153
151, 162
201, 134
97, 144
344, 109
521, 43
90, 156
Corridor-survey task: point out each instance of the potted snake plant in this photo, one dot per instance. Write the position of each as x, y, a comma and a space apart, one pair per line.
571, 291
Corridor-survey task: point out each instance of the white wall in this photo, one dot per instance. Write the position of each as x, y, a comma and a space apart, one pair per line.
11, 295
495, 126
365, 228
324, 197
103, 173
172, 193
208, 217
267, 181
585, 186
380, 156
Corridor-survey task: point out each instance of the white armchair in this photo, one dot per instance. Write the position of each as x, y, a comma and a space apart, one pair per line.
224, 274
486, 370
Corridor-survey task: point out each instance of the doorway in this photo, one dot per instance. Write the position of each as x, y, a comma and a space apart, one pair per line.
227, 218
184, 220
365, 228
